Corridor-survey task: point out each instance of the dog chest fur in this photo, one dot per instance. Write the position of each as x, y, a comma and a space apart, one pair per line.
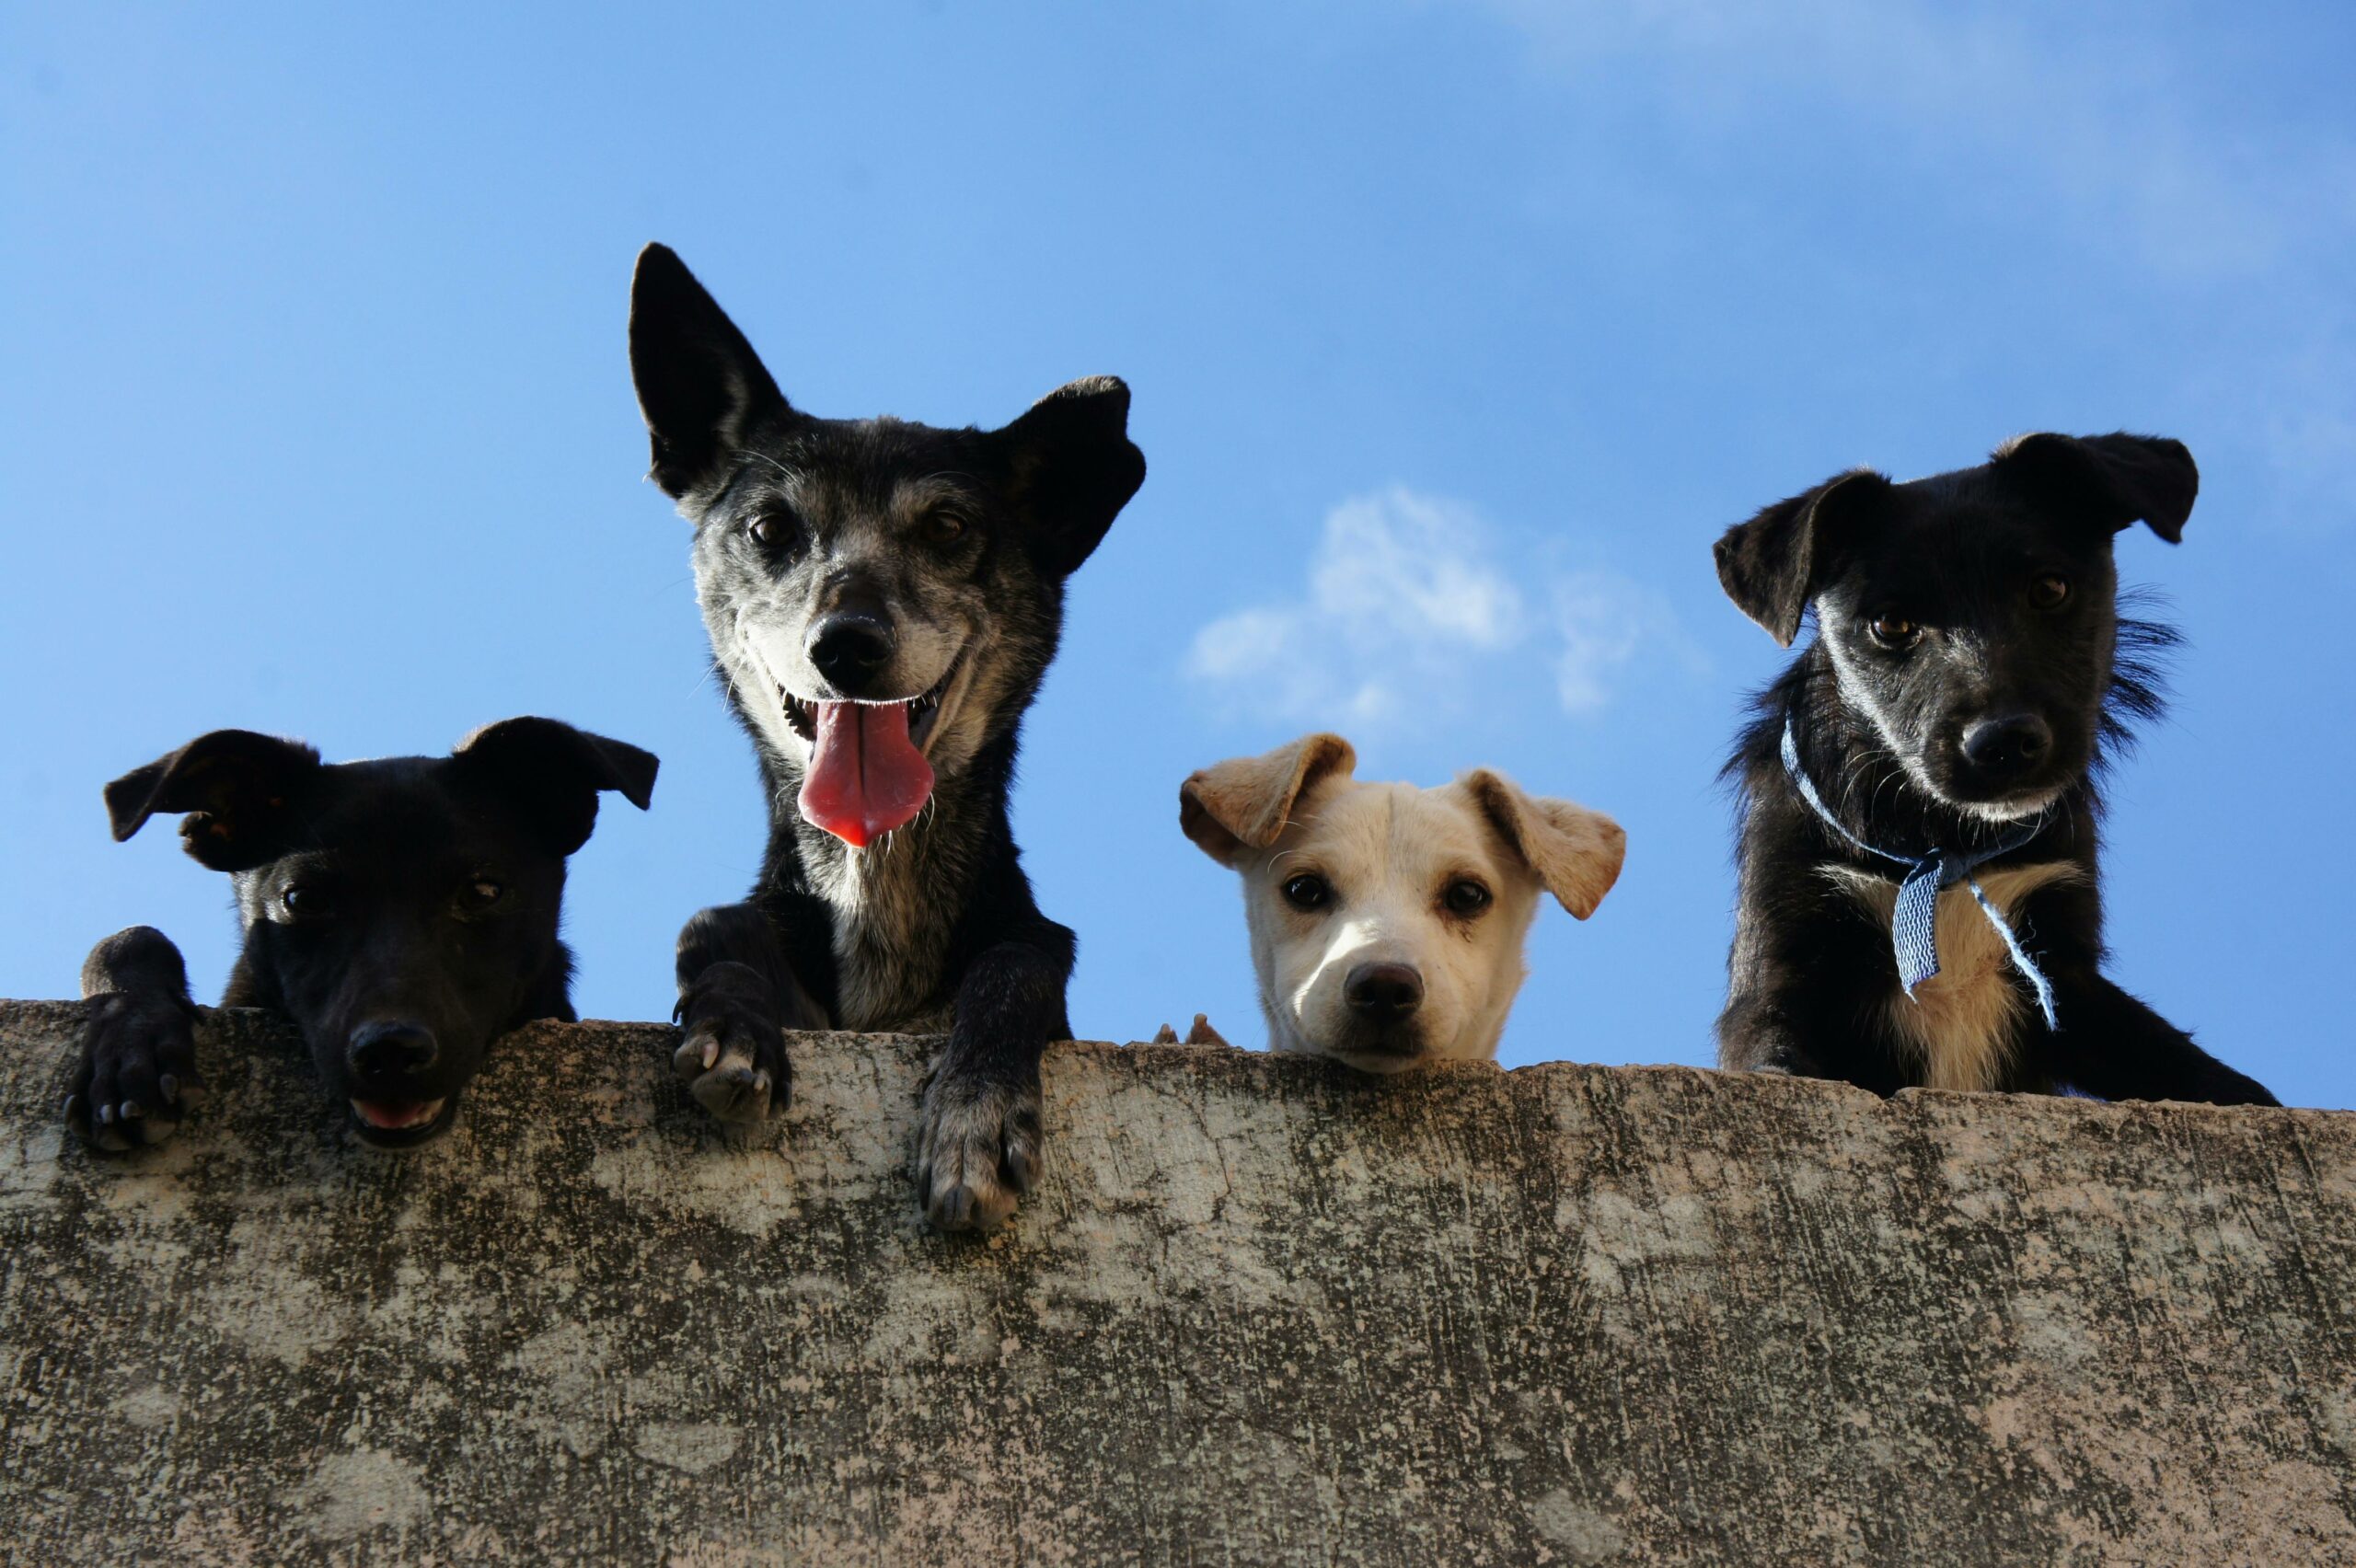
1962, 1022
889, 937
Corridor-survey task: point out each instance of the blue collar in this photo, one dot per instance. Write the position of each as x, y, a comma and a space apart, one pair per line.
1913, 925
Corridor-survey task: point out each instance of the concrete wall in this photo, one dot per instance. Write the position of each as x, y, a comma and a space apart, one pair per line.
1263, 1312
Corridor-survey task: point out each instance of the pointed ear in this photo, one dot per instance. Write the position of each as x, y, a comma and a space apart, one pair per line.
238, 788
1768, 565
1575, 852
1233, 808
553, 773
701, 386
1074, 468
2114, 480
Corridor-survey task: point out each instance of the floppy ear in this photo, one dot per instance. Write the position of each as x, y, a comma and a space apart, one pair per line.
1768, 565
237, 786
1575, 852
1074, 468
701, 386
554, 772
1232, 808
2115, 479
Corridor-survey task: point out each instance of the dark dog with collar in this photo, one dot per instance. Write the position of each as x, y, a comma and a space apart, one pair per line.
1919, 901
883, 599
402, 912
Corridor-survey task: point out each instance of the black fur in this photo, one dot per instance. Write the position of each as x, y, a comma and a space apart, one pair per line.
1934, 628
402, 912
802, 524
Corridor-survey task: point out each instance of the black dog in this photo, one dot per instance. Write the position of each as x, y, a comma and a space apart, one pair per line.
883, 600
1919, 900
402, 912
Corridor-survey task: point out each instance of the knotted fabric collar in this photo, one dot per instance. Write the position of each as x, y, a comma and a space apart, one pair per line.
1915, 923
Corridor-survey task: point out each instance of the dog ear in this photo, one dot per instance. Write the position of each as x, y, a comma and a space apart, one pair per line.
554, 772
700, 386
2115, 479
1768, 565
237, 788
1575, 852
1232, 808
1074, 467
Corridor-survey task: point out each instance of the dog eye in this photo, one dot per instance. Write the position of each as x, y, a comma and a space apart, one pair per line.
943, 528
481, 894
770, 530
1465, 896
1307, 892
303, 903
1895, 632
2049, 591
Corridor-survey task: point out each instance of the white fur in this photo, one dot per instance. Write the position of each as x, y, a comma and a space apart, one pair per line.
1390, 852
1961, 1021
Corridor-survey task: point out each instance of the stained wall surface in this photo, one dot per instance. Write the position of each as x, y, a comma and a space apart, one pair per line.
1263, 1312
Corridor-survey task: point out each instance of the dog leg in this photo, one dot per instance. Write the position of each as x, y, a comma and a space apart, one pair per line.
1756, 1036
978, 1138
136, 1075
737, 994
2113, 1046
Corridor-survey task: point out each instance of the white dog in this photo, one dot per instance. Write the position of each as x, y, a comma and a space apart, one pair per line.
1387, 921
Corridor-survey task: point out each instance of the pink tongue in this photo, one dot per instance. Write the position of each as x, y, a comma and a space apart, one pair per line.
866, 778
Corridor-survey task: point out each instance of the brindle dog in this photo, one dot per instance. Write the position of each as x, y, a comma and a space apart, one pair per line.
883, 599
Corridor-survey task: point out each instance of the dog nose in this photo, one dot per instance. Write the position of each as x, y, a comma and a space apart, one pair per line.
2008, 747
387, 1050
1383, 991
850, 648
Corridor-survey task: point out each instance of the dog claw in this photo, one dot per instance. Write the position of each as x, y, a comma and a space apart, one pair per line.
733, 1089
979, 1153
170, 1087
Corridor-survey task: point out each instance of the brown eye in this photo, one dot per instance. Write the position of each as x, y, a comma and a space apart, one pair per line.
1465, 897
303, 903
1895, 632
1308, 891
479, 896
943, 528
769, 530
2049, 591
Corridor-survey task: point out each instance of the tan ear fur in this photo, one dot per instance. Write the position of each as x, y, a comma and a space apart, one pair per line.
1232, 808
1575, 852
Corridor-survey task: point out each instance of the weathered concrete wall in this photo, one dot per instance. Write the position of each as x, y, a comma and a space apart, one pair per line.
1262, 1313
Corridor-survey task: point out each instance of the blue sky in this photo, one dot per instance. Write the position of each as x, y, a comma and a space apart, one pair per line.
1457, 332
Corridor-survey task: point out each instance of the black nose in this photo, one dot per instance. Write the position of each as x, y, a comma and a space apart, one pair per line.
387, 1050
850, 648
2008, 747
1383, 991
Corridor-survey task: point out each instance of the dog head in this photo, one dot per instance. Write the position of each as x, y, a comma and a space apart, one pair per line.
884, 597
401, 911
1387, 921
1971, 619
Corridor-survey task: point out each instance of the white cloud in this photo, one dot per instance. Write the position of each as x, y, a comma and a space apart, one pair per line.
1407, 612
1601, 620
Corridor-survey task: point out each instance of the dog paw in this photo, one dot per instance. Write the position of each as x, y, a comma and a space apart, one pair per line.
136, 1077
732, 1050
978, 1151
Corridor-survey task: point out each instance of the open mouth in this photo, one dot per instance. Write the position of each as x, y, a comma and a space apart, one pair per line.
869, 773
923, 711
396, 1124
